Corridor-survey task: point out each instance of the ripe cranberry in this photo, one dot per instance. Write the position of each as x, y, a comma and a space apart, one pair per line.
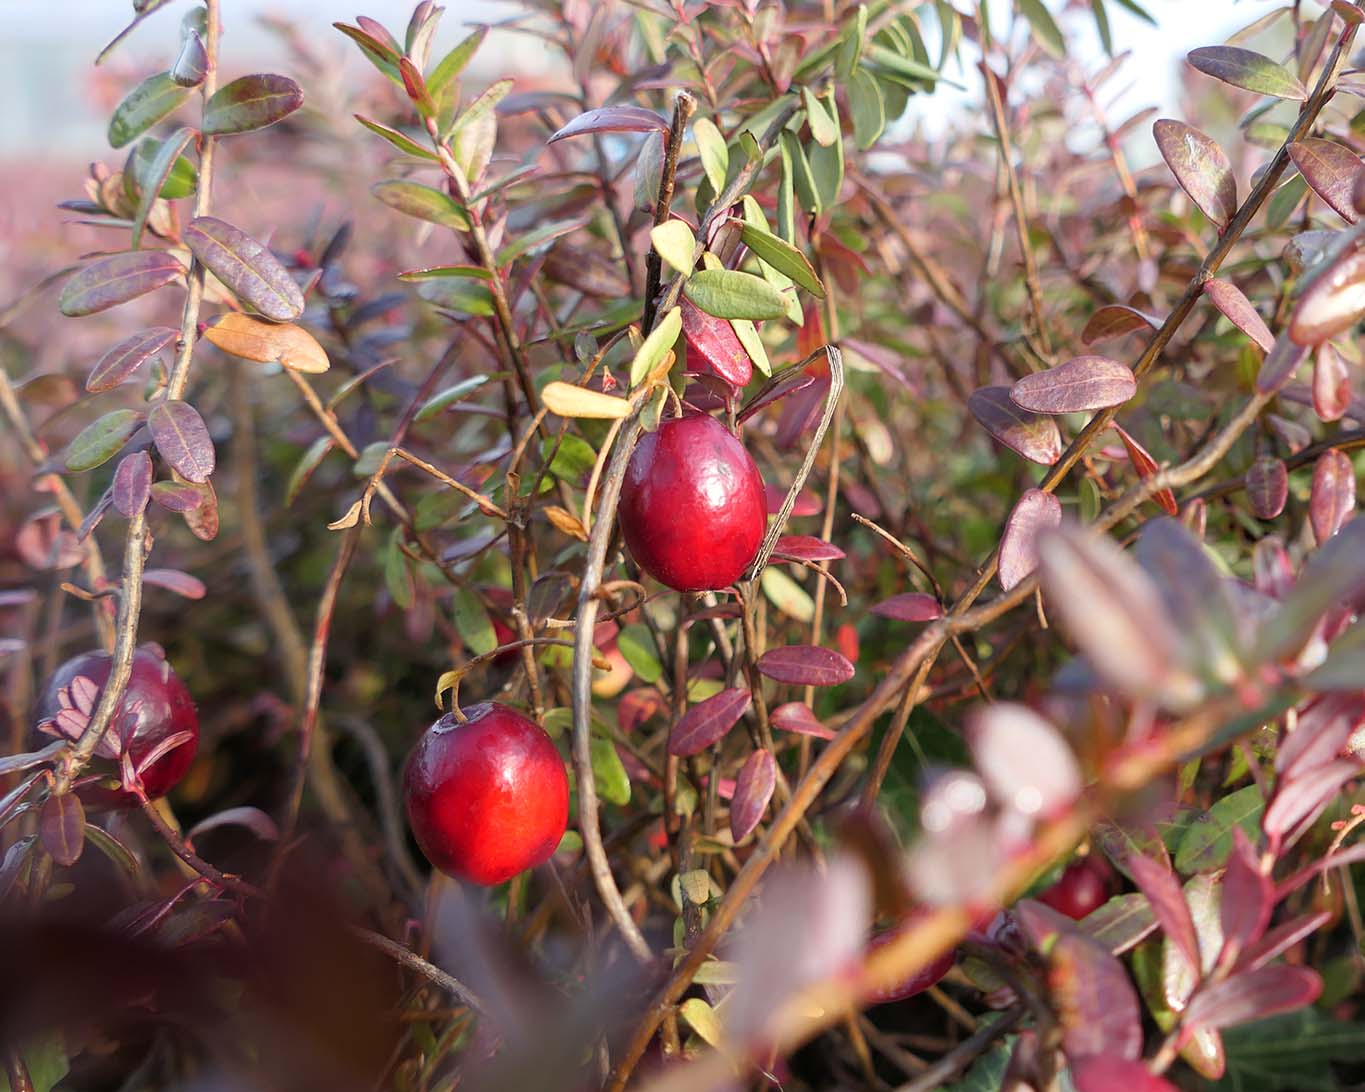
1082, 889
692, 506
916, 982
155, 707
486, 798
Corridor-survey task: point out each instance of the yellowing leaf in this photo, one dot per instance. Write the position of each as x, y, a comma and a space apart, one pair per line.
566, 521
653, 349
676, 244
566, 400
702, 1019
268, 342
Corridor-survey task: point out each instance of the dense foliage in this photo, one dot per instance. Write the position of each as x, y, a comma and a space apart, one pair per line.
1023, 750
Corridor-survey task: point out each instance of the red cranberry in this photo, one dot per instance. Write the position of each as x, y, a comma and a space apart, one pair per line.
487, 798
918, 981
1082, 889
692, 506
155, 707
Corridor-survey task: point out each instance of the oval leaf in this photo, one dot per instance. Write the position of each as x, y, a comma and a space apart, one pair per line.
1033, 512
1114, 320
183, 439
1267, 486
1085, 383
805, 665
1253, 996
61, 828
249, 269
613, 119
1200, 166
422, 202
1330, 169
144, 106
127, 356
1332, 304
117, 279
251, 102
728, 293
1023, 759
1331, 384
1032, 435
806, 548
1249, 70
713, 347
132, 483
798, 717
267, 342
1229, 299
753, 789
100, 440
1333, 497
707, 722
782, 256
909, 607
1096, 1004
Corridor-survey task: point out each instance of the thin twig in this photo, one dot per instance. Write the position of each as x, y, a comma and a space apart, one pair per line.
413, 962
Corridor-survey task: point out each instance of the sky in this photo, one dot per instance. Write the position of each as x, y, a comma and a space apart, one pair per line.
46, 49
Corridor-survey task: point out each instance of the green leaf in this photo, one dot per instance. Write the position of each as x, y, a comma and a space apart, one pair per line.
747, 333
397, 139
927, 742
484, 105
1045, 28
868, 108
1138, 10
827, 171
893, 62
674, 242
1249, 70
823, 126
380, 54
448, 397
144, 106
1293, 1052
46, 1062
573, 461
637, 646
157, 174
251, 102
422, 202
851, 44
537, 238
613, 783
436, 509
1102, 25
472, 622
102, 439
782, 256
184, 176
654, 347
465, 296
453, 63
398, 572
786, 192
787, 595
802, 180
437, 272
715, 157
729, 293
316, 452
1205, 845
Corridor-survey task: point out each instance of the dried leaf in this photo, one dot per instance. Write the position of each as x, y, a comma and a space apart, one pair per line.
567, 400
251, 338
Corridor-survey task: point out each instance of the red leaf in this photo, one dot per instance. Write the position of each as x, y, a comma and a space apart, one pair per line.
1200, 166
753, 789
807, 503
713, 347
807, 548
795, 716
1229, 299
1085, 383
132, 483
117, 279
1095, 1001
1298, 802
1280, 364
1331, 384
1331, 305
1159, 883
910, 607
613, 119
1023, 759
1330, 170
127, 356
183, 439
1105, 1073
61, 828
1248, 897
805, 665
1146, 467
1283, 937
183, 584
707, 722
1032, 435
1114, 320
1267, 486
1033, 512
1321, 733
774, 390
1333, 498
1253, 996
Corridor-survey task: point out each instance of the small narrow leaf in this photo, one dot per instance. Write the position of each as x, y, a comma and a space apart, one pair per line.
61, 828
1044, 27
805, 665
613, 783
1253, 995
1032, 435
1248, 70
1114, 320
613, 119
753, 789
399, 140
132, 486
144, 106
909, 607
1156, 880
422, 202
1085, 383
183, 439
117, 279
1229, 299
707, 722
158, 171
1330, 169
101, 440
782, 256
127, 356
249, 269
1146, 467
655, 347
715, 157
1200, 166
795, 716
1033, 512
731, 294
1333, 497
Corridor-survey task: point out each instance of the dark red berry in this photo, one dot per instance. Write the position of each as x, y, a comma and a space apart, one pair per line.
916, 982
487, 798
692, 507
155, 707
1083, 888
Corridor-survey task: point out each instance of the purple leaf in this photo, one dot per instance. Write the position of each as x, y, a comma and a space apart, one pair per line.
1331, 305
613, 119
1094, 999
249, 269
1114, 320
1299, 801
1320, 733
713, 347
1111, 609
807, 548
132, 483
1267, 486
707, 722
753, 789
1253, 995
1333, 498
1331, 384
1146, 467
179, 497
127, 356
1280, 364
183, 584
117, 279
1033, 512
253, 819
1085, 383
1330, 170
1159, 883
1333, 576
183, 439
796, 716
1105, 1073
1023, 759
61, 828
805, 665
1200, 166
1229, 299
909, 607
775, 390
1248, 898
250, 102
1281, 938
1032, 435
1249, 70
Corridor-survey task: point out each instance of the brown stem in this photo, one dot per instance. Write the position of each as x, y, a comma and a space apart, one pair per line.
413, 962
683, 108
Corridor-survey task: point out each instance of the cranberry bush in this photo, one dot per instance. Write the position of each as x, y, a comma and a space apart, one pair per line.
937, 701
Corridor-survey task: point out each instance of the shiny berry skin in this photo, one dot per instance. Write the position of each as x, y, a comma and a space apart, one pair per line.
487, 798
692, 507
1083, 888
156, 705
918, 981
